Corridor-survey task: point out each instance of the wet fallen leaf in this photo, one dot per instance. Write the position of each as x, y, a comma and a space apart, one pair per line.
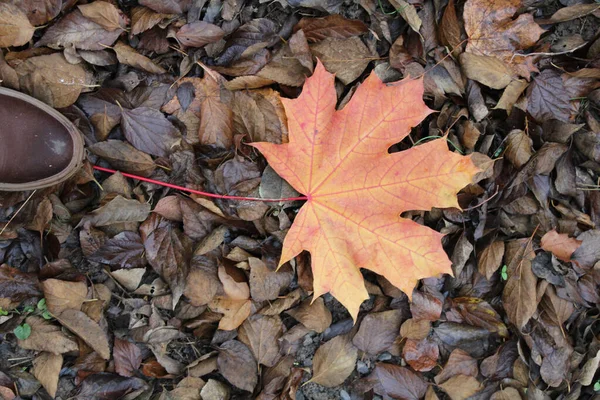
421, 355
334, 361
322, 180
106, 386
417, 329
124, 157
490, 258
16, 285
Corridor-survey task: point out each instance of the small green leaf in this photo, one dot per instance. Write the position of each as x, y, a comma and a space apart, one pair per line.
41, 305
22, 332
3, 312
597, 386
503, 273
28, 309
46, 315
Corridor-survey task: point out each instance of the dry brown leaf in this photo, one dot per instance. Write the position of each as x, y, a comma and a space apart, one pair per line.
199, 34
265, 283
331, 26
415, 329
519, 295
511, 94
127, 357
586, 376
104, 14
129, 278
334, 362
493, 32
409, 13
314, 316
509, 393
572, 12
237, 365
15, 28
61, 295
450, 29
346, 58
560, 244
378, 331
143, 18
490, 259
234, 312
261, 334
46, 336
88, 330
46, 367
51, 79
42, 217
518, 148
487, 70
202, 285
129, 56
459, 363
460, 387
236, 289
124, 157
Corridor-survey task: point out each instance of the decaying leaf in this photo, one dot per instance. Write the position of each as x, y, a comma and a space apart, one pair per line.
315, 166
127, 356
334, 361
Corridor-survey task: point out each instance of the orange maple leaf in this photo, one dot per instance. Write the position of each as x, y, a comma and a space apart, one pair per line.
356, 190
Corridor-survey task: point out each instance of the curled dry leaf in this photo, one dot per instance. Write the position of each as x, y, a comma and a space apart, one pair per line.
312, 314
129, 56
378, 331
61, 295
237, 365
560, 244
124, 157
334, 362
88, 330
46, 336
15, 28
46, 367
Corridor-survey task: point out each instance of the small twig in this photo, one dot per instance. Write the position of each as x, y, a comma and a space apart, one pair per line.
549, 54
17, 212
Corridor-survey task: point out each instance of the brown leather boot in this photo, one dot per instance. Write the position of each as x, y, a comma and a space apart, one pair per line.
39, 146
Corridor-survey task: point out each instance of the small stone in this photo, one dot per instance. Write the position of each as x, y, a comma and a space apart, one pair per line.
344, 395
307, 341
308, 362
385, 356
214, 390
362, 367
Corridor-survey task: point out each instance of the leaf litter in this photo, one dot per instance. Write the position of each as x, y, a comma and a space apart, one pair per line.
113, 287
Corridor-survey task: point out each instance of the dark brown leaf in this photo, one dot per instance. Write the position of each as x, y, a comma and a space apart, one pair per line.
76, 30
421, 355
266, 283
125, 250
166, 6
478, 312
168, 251
124, 157
490, 258
16, 285
40, 11
332, 26
415, 329
202, 283
237, 365
519, 295
106, 386
261, 333
148, 130
425, 306
395, 382
119, 210
459, 363
127, 356
199, 34
548, 97
378, 331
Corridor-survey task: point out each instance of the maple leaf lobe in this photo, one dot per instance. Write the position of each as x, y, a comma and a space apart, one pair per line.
356, 190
